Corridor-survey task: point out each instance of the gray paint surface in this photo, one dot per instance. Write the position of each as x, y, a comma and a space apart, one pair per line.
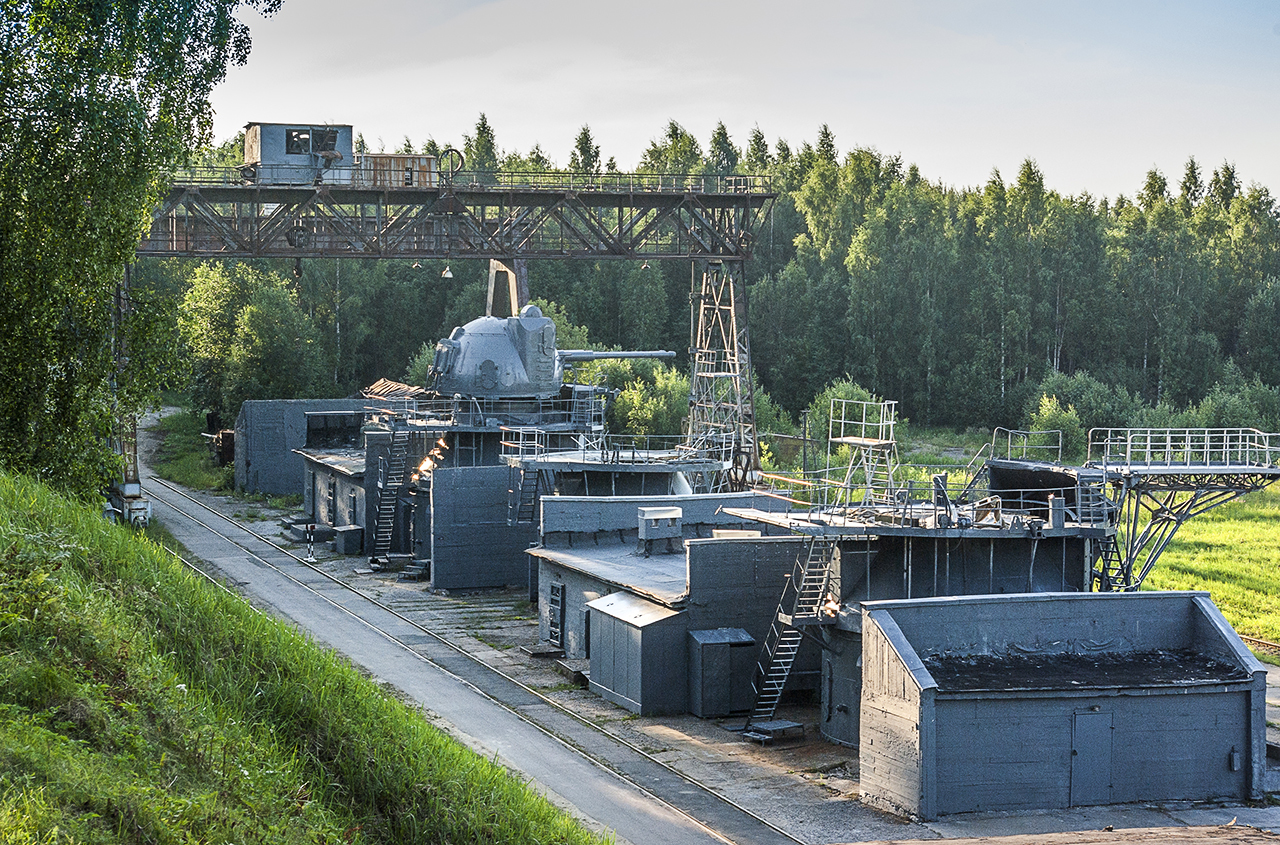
929, 751
591, 514
635, 641
267, 432
729, 583
332, 495
721, 666
473, 546
901, 567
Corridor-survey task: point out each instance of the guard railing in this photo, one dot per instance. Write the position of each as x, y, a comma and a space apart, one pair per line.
365, 177
1184, 447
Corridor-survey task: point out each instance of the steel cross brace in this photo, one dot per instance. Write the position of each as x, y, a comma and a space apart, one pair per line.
1152, 508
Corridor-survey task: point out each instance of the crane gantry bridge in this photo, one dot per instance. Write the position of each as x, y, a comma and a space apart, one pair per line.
508, 218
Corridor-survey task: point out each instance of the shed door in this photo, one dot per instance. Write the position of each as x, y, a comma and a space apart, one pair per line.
1091, 759
555, 616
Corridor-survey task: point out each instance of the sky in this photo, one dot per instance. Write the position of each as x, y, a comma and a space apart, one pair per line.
1096, 93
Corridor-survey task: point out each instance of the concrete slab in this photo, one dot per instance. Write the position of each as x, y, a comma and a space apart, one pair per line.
662, 577
1050, 821
1263, 818
1118, 817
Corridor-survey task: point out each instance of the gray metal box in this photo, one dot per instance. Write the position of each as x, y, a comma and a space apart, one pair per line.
633, 645
721, 664
348, 539
660, 523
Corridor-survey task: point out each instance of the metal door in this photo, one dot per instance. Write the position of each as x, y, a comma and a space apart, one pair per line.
1091, 759
555, 620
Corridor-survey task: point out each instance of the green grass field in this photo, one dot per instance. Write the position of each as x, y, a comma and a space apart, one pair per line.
1233, 552
141, 704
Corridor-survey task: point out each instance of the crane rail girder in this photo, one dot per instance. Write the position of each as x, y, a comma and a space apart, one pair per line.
333, 221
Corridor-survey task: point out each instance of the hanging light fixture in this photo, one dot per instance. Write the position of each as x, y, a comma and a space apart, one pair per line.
447, 274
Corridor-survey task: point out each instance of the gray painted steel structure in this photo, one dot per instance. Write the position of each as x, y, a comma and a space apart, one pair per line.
1003, 741
591, 551
268, 433
461, 526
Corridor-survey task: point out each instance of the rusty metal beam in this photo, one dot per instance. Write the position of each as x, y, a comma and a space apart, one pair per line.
635, 217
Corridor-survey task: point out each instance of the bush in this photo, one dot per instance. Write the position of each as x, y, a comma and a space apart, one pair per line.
1051, 416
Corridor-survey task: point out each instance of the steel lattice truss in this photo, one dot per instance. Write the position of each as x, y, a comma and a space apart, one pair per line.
1150, 510
721, 396
610, 216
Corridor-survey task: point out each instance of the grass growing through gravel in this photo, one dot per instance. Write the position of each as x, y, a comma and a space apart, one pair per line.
183, 455
138, 703
1233, 552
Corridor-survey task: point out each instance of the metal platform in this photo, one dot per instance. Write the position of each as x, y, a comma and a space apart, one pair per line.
772, 730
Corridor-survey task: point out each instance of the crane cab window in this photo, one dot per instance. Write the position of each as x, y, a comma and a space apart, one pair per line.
297, 142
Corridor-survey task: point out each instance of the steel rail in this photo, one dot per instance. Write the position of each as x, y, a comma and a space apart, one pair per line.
603, 764
1260, 644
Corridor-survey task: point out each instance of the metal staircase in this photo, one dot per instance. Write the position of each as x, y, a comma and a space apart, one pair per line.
1092, 505
386, 517
1094, 508
1110, 571
808, 589
525, 500
876, 464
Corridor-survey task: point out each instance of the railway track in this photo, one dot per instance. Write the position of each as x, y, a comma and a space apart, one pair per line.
1261, 645
705, 807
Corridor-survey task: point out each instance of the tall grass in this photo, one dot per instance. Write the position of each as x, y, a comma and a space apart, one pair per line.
183, 455
1233, 552
138, 703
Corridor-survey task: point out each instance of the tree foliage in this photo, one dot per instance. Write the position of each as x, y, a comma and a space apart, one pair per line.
968, 306
96, 100
248, 339
675, 151
585, 157
481, 149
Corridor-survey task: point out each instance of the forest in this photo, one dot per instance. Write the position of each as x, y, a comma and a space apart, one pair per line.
1005, 304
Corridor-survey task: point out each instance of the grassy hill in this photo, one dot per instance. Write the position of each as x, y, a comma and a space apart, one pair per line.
139, 703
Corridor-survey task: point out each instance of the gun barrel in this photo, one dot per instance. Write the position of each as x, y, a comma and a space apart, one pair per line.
574, 355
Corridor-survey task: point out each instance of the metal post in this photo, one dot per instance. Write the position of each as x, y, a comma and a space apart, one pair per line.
804, 444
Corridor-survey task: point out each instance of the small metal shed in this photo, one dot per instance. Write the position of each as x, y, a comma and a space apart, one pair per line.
722, 662
637, 653
297, 154
1054, 700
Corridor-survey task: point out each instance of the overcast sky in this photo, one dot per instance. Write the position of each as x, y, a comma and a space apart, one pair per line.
1096, 92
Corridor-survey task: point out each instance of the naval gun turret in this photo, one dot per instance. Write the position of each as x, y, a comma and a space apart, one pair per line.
509, 358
